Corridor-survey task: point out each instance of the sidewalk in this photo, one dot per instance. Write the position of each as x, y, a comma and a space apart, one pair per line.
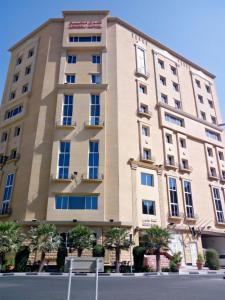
189, 270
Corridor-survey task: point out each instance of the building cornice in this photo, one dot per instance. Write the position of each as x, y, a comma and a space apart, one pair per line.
158, 44
85, 12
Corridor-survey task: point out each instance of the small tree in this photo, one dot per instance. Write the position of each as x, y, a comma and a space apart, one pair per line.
21, 259
81, 237
98, 251
10, 239
117, 239
44, 239
156, 239
212, 259
138, 253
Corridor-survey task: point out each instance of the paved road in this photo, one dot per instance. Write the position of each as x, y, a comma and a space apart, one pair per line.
157, 288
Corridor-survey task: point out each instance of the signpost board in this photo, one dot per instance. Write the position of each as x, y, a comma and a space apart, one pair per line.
84, 264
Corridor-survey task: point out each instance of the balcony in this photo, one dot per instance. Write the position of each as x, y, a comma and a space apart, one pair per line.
171, 164
175, 216
55, 178
150, 159
94, 125
142, 73
13, 158
185, 168
88, 179
147, 114
60, 125
192, 218
213, 176
222, 179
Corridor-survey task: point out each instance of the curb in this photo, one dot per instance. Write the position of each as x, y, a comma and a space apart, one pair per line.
150, 274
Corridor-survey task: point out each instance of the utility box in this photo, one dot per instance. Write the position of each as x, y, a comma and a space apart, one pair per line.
84, 264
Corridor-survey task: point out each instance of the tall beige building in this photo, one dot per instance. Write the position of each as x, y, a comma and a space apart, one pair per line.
104, 126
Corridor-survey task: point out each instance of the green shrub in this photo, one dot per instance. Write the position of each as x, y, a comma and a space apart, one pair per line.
61, 255
21, 259
173, 266
212, 259
98, 251
165, 269
138, 253
108, 269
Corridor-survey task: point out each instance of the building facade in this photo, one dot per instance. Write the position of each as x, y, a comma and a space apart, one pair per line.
104, 126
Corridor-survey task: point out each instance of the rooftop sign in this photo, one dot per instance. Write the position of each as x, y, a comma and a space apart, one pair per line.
85, 25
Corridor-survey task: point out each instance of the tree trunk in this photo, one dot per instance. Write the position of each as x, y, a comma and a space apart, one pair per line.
41, 267
158, 265
79, 252
1, 261
117, 260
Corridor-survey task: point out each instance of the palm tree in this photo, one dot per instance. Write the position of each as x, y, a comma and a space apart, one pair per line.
10, 239
81, 237
156, 238
117, 239
44, 238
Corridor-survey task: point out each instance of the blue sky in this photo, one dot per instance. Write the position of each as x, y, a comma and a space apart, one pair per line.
193, 28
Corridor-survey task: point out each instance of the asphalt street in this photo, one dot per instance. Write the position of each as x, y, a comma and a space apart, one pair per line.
160, 288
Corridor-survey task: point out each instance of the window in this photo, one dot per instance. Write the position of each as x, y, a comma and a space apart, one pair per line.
198, 83
170, 160
142, 89
221, 155
7, 193
203, 115
13, 154
85, 39
141, 65
175, 86
173, 70
212, 135
210, 152
4, 137
95, 110
30, 53
207, 87
213, 172
147, 179
144, 108
211, 103
169, 138
188, 199
184, 164
17, 131
12, 95
177, 104
174, 210
200, 98
93, 160
76, 202
183, 143
16, 77
67, 110
70, 78
213, 119
162, 80
164, 98
223, 175
218, 204
96, 78
28, 70
148, 207
64, 160
25, 88
13, 112
19, 60
71, 59
147, 154
174, 120
145, 130
161, 64
96, 59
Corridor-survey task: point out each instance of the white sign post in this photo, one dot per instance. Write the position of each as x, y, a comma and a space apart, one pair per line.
84, 264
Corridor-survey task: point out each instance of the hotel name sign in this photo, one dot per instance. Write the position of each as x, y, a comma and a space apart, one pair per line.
85, 25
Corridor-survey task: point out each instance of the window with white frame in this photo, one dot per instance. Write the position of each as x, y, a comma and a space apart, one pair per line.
70, 78
145, 130
7, 195
93, 162
88, 202
161, 64
174, 120
169, 138
213, 135
164, 98
95, 110
146, 154
147, 179
67, 111
162, 80
64, 160
173, 70
188, 199
174, 208
218, 204
183, 143
148, 207
141, 64
96, 78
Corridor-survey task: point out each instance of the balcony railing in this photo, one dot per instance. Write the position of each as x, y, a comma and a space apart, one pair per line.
171, 164
191, 217
94, 125
177, 215
55, 177
186, 168
146, 114
150, 159
60, 124
88, 178
213, 176
141, 72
